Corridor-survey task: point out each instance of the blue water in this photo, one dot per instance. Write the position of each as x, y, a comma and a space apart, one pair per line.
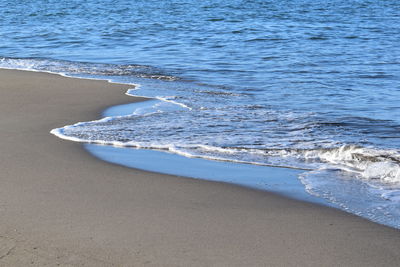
313, 85
279, 180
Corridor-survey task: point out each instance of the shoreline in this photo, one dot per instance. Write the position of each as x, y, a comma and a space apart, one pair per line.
61, 205
275, 180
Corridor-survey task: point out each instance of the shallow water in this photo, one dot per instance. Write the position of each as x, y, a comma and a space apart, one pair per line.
279, 180
306, 84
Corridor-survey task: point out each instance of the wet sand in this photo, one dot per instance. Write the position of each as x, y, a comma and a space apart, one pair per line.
61, 206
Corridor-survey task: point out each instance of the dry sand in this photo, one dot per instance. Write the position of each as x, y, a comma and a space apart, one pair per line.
61, 206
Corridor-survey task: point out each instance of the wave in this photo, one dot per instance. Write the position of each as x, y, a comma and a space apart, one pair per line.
332, 169
65, 67
369, 164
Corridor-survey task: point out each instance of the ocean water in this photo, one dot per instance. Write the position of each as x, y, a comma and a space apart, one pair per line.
312, 85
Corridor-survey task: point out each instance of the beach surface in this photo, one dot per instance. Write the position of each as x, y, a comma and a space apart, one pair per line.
60, 206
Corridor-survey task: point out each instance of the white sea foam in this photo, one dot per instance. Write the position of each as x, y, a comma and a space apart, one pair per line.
367, 163
370, 163
69, 68
167, 99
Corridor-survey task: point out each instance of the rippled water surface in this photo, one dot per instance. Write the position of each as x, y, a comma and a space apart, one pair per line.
306, 84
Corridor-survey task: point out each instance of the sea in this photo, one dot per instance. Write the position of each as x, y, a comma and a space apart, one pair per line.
309, 85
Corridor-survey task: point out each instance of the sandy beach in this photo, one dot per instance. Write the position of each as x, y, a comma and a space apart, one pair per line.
60, 206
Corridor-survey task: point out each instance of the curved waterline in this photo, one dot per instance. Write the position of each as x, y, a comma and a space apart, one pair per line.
319, 162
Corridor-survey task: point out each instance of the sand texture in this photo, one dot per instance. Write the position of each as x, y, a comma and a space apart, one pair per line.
59, 206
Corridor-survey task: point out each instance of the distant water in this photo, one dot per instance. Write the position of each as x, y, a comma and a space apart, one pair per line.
313, 85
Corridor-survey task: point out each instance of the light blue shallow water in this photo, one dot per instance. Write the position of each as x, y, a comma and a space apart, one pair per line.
304, 84
279, 180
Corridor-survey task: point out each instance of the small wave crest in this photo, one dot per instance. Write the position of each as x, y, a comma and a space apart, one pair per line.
369, 163
84, 68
